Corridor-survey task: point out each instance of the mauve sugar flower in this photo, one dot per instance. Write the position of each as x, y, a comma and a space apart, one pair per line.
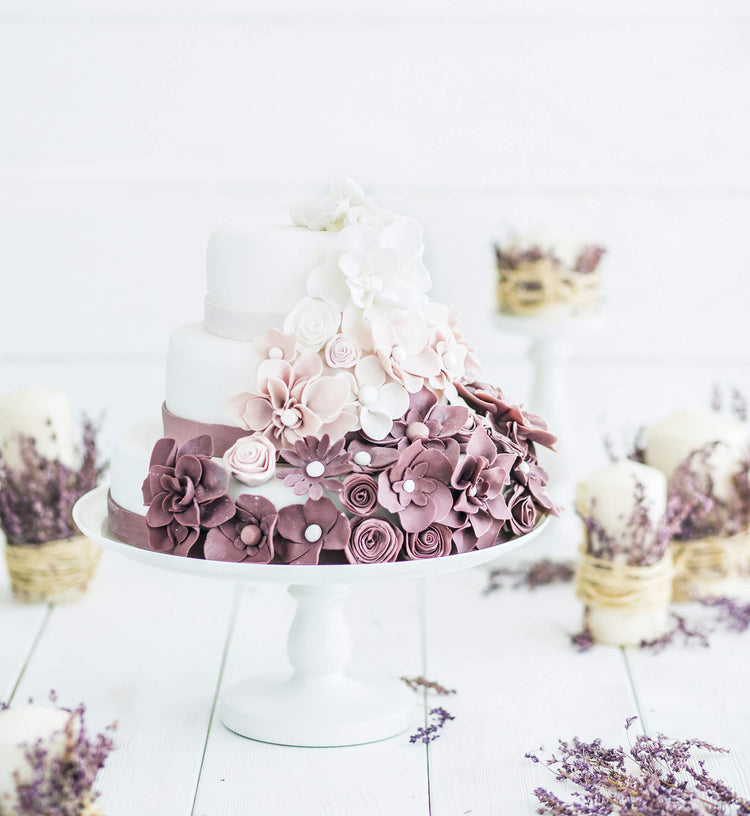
315, 464
435, 424
248, 536
480, 508
359, 494
522, 511
374, 541
416, 487
369, 457
432, 542
185, 490
305, 529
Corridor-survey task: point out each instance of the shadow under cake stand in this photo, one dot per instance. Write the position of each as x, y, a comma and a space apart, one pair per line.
319, 704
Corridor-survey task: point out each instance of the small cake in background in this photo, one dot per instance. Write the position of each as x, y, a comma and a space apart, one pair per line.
547, 274
705, 455
624, 577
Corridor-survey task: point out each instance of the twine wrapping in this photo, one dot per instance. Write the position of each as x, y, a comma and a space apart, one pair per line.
702, 565
610, 585
53, 571
532, 287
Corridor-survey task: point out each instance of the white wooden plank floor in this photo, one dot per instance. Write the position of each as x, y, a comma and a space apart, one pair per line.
153, 650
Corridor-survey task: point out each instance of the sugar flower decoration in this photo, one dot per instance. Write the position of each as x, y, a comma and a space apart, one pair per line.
432, 542
275, 345
380, 402
342, 352
369, 457
294, 401
344, 204
315, 465
359, 494
314, 322
479, 478
435, 424
248, 536
185, 490
374, 541
416, 487
251, 460
523, 511
304, 530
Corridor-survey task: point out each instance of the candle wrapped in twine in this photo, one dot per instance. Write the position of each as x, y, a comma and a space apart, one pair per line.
711, 567
55, 571
534, 286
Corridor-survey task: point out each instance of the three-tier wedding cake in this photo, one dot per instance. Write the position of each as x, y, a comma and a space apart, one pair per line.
325, 409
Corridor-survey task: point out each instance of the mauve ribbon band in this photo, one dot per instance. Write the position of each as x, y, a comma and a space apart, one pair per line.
237, 324
180, 429
127, 526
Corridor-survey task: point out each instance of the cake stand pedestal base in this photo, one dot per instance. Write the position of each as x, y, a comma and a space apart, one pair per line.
319, 705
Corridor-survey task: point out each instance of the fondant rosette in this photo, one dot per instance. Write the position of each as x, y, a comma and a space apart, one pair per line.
374, 541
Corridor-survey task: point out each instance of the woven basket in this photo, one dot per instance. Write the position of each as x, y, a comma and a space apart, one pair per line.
56, 571
712, 567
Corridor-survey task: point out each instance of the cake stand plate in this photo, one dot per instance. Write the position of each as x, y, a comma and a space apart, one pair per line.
319, 704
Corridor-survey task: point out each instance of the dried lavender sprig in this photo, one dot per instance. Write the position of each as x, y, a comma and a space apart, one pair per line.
432, 731
63, 785
531, 576
37, 496
415, 683
641, 781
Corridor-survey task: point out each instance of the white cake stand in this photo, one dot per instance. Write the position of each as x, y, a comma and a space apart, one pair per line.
550, 350
319, 704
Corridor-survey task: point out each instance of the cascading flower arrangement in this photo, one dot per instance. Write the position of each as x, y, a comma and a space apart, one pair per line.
370, 412
47, 557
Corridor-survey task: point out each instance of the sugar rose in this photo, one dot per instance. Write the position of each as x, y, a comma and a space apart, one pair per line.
342, 352
252, 459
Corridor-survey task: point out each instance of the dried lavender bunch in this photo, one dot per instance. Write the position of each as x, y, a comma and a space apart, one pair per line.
64, 785
653, 777
37, 496
530, 576
432, 731
415, 683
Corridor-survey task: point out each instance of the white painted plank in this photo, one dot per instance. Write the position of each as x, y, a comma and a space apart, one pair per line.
510, 102
699, 693
242, 776
520, 685
109, 259
143, 648
20, 625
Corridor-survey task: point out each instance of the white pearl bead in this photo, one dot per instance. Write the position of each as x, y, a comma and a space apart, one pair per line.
275, 353
313, 533
472, 491
398, 353
315, 469
409, 486
362, 458
367, 394
524, 467
449, 360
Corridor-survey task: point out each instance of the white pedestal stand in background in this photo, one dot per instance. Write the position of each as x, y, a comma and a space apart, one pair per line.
550, 351
319, 703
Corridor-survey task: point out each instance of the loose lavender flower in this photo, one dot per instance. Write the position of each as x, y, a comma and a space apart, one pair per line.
682, 631
64, 785
37, 496
531, 576
583, 640
415, 683
432, 731
733, 616
643, 780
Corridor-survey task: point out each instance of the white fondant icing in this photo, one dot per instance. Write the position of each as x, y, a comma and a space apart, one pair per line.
43, 413
608, 495
129, 465
204, 371
670, 440
262, 269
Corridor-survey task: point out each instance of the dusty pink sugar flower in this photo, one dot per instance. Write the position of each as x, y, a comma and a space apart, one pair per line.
247, 536
522, 509
304, 530
294, 401
359, 494
374, 541
275, 345
432, 542
315, 465
480, 508
369, 457
435, 424
185, 490
416, 487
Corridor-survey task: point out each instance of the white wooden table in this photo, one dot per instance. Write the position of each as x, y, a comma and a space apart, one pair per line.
153, 650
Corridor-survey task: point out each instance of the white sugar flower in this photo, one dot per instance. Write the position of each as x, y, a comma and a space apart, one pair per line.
344, 204
380, 401
314, 322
